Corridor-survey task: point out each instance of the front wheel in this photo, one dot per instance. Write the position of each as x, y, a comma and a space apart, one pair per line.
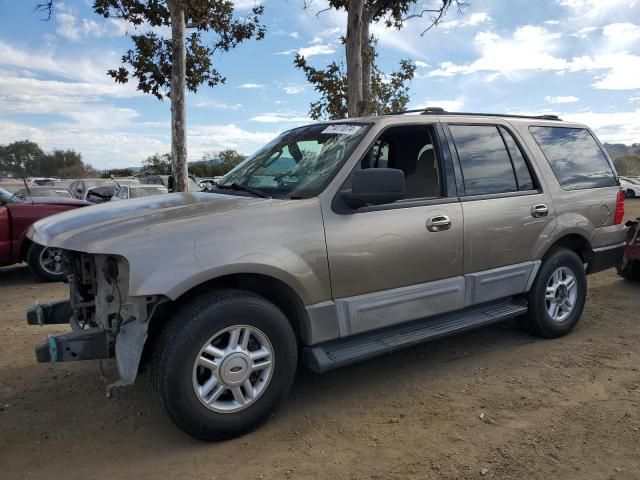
558, 294
45, 263
224, 363
631, 194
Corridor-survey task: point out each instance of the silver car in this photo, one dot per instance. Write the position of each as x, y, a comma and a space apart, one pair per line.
335, 243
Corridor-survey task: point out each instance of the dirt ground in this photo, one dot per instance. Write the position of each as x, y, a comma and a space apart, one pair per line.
494, 403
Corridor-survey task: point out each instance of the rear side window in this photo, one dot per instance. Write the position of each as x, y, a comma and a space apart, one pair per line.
520, 167
486, 166
575, 158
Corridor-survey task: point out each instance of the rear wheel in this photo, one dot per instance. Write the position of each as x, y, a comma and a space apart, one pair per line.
45, 262
558, 295
224, 363
631, 193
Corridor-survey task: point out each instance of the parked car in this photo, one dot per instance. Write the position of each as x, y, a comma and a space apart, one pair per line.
631, 187
16, 216
629, 268
100, 194
365, 236
79, 187
125, 192
192, 184
44, 192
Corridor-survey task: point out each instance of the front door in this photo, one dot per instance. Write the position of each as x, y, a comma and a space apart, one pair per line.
402, 261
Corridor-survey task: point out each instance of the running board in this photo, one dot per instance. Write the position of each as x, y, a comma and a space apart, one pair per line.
344, 351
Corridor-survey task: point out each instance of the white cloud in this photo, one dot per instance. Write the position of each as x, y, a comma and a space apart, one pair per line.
284, 33
621, 36
562, 99
279, 117
316, 50
421, 64
218, 105
450, 105
504, 56
292, 89
251, 86
615, 127
285, 52
246, 4
470, 21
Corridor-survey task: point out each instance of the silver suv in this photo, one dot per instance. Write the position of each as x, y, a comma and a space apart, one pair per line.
335, 243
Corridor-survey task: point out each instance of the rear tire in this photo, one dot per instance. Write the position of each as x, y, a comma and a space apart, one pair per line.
558, 294
45, 263
631, 194
200, 372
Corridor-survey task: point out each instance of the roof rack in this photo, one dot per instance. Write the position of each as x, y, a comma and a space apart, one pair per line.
442, 111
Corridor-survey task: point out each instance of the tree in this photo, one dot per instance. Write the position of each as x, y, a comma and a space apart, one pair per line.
360, 45
23, 158
214, 164
166, 67
627, 165
157, 164
386, 93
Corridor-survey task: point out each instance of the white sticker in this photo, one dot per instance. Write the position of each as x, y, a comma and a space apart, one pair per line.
342, 129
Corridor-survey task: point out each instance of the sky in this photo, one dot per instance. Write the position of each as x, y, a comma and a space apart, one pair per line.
576, 58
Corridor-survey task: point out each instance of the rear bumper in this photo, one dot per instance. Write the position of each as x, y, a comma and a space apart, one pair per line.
606, 257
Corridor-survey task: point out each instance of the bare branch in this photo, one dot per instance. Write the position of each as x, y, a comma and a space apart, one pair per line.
437, 15
47, 8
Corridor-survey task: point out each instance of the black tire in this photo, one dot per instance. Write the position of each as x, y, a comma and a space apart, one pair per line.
538, 320
630, 271
181, 341
630, 194
33, 259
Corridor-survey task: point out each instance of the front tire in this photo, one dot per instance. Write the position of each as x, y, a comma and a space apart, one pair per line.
631, 194
558, 295
630, 270
45, 263
224, 363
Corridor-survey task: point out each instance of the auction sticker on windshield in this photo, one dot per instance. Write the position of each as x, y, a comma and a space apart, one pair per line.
342, 129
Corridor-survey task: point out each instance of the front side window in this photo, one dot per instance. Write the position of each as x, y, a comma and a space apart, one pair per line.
575, 158
412, 149
485, 162
298, 163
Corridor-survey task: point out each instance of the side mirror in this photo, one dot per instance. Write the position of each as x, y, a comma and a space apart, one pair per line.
375, 186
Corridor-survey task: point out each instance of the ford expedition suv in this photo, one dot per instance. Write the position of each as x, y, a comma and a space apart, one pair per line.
335, 243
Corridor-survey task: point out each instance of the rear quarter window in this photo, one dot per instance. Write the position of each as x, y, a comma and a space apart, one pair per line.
575, 157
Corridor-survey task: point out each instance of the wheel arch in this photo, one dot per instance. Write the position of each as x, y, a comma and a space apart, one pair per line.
575, 242
276, 291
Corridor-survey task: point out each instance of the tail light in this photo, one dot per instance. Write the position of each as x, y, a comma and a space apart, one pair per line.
619, 214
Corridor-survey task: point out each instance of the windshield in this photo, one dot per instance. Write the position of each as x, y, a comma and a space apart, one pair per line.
298, 163
97, 182
135, 192
44, 192
5, 195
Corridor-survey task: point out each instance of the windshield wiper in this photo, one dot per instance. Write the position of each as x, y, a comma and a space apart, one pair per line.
243, 188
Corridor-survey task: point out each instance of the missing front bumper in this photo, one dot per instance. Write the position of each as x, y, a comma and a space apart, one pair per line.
89, 344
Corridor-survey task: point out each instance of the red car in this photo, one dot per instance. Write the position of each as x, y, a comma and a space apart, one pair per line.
16, 216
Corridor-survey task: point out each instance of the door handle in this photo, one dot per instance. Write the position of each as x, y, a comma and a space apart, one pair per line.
540, 210
439, 223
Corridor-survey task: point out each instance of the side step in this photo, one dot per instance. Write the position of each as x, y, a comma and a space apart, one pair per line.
344, 351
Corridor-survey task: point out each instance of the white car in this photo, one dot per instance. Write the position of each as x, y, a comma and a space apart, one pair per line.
125, 192
631, 187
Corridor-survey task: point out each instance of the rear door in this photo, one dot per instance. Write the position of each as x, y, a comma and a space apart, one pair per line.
507, 212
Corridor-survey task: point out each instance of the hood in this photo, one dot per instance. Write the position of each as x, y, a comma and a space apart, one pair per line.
85, 228
51, 201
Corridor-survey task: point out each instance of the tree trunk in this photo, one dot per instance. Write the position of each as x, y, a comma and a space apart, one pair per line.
367, 60
178, 84
354, 58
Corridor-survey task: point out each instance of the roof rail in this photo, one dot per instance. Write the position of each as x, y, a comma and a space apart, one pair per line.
442, 111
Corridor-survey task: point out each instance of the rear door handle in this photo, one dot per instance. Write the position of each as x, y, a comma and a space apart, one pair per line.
439, 223
540, 210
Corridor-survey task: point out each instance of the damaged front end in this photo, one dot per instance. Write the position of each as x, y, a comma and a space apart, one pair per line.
105, 321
